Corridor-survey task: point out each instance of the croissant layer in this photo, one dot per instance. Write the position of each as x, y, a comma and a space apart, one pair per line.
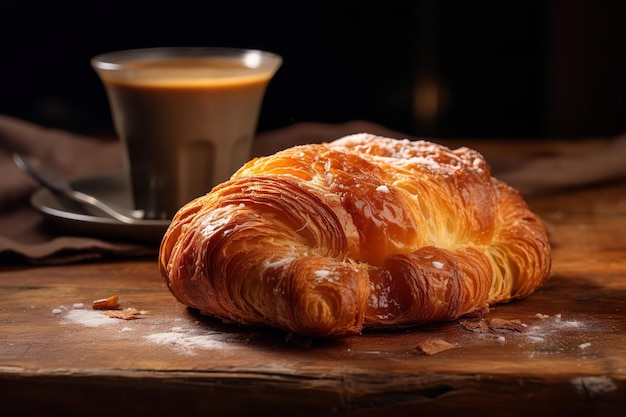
325, 240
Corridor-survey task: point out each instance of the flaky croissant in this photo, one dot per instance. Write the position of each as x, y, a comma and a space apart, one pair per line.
325, 240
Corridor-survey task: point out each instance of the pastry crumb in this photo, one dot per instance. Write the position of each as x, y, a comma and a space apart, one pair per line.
433, 346
127, 314
476, 326
497, 324
494, 325
110, 303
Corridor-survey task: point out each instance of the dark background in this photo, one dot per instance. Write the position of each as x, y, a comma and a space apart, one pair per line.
490, 69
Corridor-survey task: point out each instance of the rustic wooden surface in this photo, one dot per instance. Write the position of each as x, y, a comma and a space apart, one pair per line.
564, 350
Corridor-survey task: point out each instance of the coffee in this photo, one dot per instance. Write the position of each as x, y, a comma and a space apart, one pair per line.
187, 123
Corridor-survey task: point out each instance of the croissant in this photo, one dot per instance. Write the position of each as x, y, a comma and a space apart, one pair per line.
326, 240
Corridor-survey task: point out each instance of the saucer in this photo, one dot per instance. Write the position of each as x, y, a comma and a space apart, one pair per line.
72, 217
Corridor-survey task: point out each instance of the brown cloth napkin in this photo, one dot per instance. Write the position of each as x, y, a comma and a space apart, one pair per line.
25, 237
604, 161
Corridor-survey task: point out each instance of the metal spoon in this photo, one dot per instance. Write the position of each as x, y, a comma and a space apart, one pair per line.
55, 182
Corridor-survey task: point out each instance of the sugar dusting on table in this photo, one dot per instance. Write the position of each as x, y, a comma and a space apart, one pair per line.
540, 330
546, 333
77, 314
548, 326
188, 341
185, 340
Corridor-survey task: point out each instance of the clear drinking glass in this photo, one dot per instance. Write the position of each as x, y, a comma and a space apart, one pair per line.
186, 116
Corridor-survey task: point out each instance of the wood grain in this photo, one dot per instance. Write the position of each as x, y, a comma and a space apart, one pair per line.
565, 351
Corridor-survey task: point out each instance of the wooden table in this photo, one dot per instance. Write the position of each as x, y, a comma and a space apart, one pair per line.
562, 350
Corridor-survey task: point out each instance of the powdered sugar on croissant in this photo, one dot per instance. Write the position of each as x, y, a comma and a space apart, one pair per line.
325, 240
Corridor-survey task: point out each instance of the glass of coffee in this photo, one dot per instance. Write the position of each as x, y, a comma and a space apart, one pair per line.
186, 116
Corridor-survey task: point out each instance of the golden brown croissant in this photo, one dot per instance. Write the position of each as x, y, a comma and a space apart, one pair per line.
325, 240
